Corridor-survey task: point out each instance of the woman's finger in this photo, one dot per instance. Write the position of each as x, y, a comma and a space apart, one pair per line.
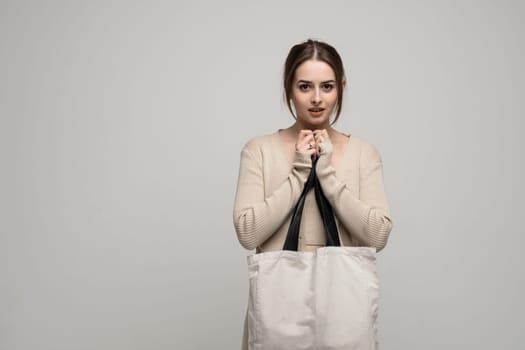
306, 142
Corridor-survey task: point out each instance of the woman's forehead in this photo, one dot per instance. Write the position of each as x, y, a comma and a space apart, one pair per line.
314, 70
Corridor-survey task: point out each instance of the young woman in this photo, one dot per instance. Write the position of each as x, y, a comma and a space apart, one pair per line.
274, 167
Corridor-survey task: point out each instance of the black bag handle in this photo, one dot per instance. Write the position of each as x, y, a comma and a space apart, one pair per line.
330, 227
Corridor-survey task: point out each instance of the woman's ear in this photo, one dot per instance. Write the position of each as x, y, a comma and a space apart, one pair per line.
344, 83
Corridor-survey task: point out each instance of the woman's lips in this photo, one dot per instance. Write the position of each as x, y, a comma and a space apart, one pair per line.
316, 111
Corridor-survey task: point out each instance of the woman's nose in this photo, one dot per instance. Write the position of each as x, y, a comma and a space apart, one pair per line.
316, 97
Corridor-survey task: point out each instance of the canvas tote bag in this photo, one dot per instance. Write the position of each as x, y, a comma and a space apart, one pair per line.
326, 299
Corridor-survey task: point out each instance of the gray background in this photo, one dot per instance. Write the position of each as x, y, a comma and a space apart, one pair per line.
121, 128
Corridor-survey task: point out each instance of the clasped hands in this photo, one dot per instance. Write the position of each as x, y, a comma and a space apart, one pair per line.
310, 142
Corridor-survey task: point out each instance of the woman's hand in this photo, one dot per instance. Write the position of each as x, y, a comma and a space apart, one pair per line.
322, 139
306, 143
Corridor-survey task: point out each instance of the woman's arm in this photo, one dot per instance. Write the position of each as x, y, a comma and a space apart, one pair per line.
366, 217
257, 216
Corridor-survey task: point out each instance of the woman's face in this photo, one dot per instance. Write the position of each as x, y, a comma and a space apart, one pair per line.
314, 94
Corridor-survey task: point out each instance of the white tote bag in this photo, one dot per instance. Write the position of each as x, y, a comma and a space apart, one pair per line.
326, 299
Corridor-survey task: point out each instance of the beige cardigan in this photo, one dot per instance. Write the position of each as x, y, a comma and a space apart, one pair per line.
269, 186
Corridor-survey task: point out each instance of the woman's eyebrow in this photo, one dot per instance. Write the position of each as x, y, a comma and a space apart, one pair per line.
309, 82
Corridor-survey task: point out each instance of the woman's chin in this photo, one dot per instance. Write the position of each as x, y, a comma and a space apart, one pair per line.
315, 123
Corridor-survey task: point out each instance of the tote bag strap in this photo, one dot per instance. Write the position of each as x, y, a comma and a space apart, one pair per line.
330, 226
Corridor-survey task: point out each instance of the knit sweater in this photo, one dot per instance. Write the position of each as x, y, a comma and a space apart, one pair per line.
269, 187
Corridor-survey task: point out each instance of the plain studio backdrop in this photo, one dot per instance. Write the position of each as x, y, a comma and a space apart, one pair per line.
120, 135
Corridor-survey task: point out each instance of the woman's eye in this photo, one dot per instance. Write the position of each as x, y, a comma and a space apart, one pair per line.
328, 87
304, 87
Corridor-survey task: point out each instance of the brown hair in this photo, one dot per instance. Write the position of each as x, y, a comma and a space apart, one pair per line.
313, 50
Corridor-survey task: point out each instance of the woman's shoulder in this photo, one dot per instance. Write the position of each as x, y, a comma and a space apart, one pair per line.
261, 142
367, 150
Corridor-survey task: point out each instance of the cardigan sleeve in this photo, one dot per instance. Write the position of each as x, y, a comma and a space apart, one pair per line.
366, 217
257, 215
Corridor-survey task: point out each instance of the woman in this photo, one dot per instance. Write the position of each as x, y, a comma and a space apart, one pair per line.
274, 167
